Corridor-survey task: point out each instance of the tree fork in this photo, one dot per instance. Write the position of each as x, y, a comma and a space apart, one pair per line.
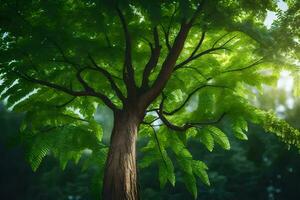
120, 176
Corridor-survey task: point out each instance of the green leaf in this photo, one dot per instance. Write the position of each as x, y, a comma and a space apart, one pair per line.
206, 138
166, 170
183, 156
97, 129
238, 132
239, 125
65, 142
162, 176
155, 152
190, 183
37, 154
149, 158
200, 168
219, 136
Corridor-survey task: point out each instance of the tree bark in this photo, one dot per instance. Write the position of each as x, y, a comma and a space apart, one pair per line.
120, 178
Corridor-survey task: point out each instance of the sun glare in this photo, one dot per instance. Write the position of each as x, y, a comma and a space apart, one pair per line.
285, 81
271, 15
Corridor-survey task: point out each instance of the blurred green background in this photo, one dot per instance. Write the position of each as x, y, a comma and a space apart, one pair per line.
261, 168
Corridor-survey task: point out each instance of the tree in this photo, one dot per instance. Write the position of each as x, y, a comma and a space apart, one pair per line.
168, 71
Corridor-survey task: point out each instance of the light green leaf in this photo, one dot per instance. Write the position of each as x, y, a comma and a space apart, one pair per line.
97, 129
239, 125
166, 170
206, 138
238, 133
219, 136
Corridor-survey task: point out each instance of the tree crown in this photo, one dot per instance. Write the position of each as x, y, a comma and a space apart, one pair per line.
191, 66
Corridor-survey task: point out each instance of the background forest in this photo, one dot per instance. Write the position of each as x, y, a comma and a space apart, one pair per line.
260, 168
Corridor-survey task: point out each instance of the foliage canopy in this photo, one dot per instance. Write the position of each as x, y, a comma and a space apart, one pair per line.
60, 60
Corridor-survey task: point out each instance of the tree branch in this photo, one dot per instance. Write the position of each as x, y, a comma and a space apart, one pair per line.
71, 92
155, 52
83, 82
167, 40
150, 123
197, 70
66, 103
190, 95
92, 68
199, 44
243, 68
197, 12
185, 126
167, 31
170, 61
76, 118
212, 49
188, 98
95, 68
158, 144
167, 66
109, 78
219, 39
64, 56
107, 39
128, 71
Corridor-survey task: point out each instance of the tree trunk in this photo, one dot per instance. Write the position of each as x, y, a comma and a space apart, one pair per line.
120, 178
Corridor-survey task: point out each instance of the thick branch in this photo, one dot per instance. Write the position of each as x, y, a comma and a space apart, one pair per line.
167, 66
109, 78
128, 71
71, 92
167, 31
96, 68
83, 82
155, 52
170, 61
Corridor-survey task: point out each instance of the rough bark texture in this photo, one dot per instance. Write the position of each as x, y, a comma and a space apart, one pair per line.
120, 178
